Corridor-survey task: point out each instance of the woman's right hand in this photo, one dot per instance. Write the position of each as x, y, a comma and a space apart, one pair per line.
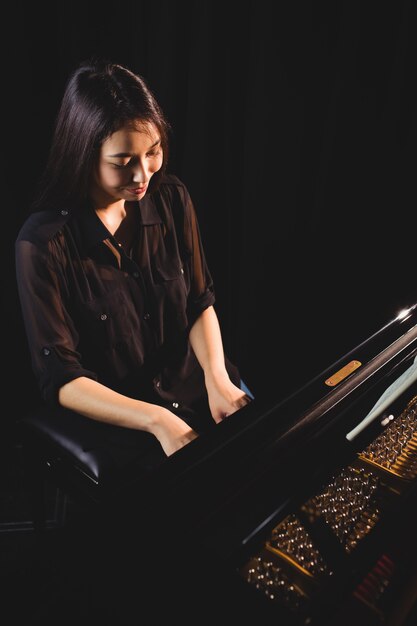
172, 432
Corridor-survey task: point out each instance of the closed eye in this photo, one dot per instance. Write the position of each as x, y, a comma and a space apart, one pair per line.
152, 154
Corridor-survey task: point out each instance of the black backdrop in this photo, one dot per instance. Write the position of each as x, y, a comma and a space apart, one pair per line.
294, 127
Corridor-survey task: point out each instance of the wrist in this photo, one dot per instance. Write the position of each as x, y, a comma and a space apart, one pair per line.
163, 422
156, 416
215, 375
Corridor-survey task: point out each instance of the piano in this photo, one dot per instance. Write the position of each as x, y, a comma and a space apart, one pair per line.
299, 513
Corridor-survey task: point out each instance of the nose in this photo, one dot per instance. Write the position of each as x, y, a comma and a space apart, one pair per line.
140, 173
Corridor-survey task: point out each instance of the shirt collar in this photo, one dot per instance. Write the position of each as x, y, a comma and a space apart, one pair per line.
148, 212
91, 228
93, 231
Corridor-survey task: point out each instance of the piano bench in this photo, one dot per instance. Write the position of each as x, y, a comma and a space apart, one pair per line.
83, 459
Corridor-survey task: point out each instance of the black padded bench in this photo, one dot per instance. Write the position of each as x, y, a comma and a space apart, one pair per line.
88, 460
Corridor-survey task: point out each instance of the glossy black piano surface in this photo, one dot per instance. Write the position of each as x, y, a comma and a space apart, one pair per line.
297, 513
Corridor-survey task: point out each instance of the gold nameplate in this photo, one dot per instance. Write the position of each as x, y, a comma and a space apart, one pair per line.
342, 373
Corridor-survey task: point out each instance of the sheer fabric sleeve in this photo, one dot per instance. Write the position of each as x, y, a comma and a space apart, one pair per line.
201, 293
51, 333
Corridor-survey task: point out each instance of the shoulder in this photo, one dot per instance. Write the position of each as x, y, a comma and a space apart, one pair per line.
172, 184
171, 180
42, 226
173, 188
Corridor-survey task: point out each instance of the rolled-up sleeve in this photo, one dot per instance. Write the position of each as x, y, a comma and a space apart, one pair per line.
201, 290
51, 333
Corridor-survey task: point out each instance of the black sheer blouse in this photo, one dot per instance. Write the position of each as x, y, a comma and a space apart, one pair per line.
122, 317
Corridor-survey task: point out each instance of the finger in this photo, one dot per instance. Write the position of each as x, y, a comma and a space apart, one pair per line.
244, 400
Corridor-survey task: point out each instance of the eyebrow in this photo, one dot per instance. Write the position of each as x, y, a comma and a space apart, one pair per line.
127, 154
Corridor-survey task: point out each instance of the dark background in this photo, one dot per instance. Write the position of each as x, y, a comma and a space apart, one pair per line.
294, 127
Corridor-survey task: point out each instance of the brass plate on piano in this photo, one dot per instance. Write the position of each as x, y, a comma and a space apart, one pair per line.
343, 373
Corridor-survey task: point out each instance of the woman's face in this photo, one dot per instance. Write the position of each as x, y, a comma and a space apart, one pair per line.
127, 161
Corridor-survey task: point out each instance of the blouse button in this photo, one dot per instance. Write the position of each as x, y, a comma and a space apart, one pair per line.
64, 212
135, 274
175, 405
46, 351
146, 316
182, 270
158, 384
103, 317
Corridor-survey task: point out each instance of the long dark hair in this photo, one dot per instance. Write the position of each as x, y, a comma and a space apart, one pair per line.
99, 98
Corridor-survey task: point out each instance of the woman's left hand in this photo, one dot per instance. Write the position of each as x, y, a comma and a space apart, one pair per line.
225, 398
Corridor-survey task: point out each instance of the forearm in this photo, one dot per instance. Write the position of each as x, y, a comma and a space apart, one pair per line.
92, 399
205, 337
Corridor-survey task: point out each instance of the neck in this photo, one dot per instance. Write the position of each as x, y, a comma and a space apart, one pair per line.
112, 215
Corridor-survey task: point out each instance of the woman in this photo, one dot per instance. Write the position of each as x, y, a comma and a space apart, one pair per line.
116, 295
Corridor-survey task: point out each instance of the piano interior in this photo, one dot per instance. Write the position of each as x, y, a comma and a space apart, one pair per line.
325, 555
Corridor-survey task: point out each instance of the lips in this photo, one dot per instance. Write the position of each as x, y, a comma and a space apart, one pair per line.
137, 190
